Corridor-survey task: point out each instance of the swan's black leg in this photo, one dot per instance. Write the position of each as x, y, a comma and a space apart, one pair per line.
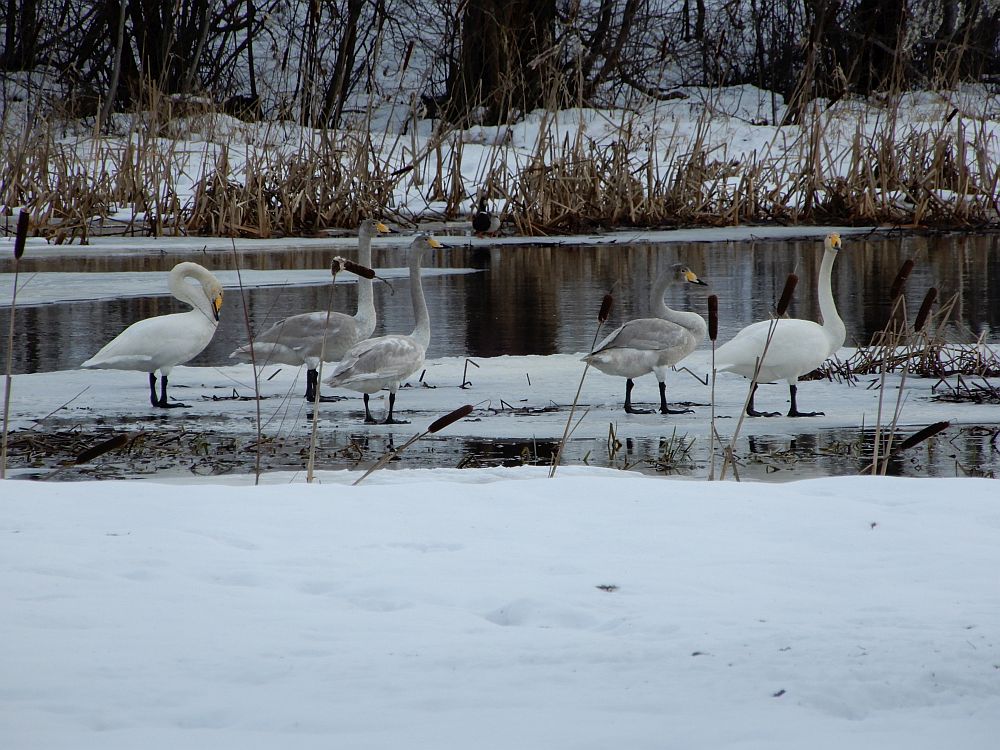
311, 377
794, 411
629, 409
152, 390
664, 409
369, 419
312, 387
163, 403
752, 412
388, 418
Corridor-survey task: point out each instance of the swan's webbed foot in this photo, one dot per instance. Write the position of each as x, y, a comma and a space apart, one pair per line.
161, 402
668, 410
629, 409
664, 409
794, 410
324, 399
751, 412
391, 420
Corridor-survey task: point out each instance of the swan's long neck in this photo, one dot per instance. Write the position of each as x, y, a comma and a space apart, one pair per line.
366, 293
193, 294
689, 320
833, 326
422, 331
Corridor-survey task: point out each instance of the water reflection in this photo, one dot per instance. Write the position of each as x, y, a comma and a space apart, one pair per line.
541, 300
969, 451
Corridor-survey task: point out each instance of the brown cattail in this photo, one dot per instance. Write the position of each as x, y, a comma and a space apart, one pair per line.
901, 277
22, 234
925, 308
447, 419
919, 437
786, 293
358, 270
713, 316
606, 304
118, 441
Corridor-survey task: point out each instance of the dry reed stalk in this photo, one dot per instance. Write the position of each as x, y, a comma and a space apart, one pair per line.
253, 365
20, 238
607, 303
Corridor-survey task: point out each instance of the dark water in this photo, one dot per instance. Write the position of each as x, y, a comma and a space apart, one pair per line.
542, 300
963, 451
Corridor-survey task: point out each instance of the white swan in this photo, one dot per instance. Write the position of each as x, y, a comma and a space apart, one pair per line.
652, 344
797, 346
298, 340
161, 343
385, 361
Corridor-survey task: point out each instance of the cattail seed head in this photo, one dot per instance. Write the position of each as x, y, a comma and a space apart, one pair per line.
118, 441
901, 277
21, 235
606, 305
925, 308
357, 269
447, 419
786, 293
928, 432
713, 316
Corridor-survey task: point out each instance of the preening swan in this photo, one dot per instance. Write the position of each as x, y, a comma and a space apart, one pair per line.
797, 346
385, 361
161, 343
652, 344
298, 340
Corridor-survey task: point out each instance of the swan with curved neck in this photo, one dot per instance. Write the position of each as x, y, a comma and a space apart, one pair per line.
386, 361
652, 344
298, 340
797, 346
161, 343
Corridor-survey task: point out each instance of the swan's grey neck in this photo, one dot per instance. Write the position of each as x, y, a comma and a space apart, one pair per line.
833, 326
422, 330
366, 294
689, 320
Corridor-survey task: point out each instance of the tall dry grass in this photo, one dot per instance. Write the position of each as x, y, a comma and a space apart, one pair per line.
255, 180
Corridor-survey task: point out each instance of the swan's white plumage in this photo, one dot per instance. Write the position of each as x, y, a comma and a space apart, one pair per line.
163, 342
386, 361
653, 344
298, 339
797, 346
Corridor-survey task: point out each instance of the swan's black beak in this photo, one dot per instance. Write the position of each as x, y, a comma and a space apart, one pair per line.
691, 278
217, 306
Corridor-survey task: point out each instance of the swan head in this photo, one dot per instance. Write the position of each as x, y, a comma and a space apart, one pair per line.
832, 241
423, 242
214, 293
684, 274
371, 227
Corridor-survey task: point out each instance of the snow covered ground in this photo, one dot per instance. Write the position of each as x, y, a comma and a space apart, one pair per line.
499, 609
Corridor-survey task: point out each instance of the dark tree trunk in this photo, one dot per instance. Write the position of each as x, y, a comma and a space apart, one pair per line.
20, 36
502, 68
336, 92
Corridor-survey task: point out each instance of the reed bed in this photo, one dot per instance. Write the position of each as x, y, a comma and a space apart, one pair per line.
191, 169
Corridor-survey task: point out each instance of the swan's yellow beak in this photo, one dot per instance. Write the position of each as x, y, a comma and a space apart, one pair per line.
217, 305
834, 240
690, 277
434, 243
382, 228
